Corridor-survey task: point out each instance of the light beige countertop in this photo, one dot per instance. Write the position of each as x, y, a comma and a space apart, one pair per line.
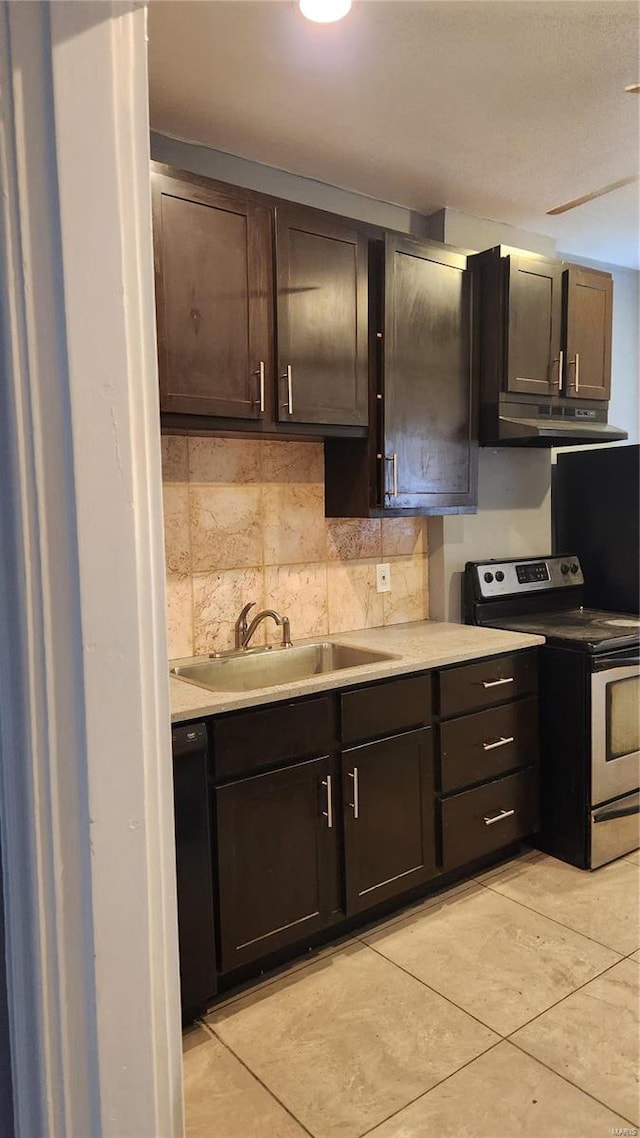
417, 646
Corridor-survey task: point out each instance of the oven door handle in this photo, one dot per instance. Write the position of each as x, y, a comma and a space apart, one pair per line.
610, 812
608, 663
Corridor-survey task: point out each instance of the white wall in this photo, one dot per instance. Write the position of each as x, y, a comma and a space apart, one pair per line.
513, 520
514, 486
479, 233
293, 187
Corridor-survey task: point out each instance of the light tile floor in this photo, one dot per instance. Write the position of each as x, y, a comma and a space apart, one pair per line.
508, 1005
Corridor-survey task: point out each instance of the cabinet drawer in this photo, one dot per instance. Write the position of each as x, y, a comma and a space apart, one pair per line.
494, 680
255, 740
488, 743
479, 821
386, 708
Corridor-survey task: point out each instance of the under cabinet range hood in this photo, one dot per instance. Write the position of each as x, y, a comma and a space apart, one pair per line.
544, 425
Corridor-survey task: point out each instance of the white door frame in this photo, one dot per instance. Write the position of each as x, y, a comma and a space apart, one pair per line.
86, 817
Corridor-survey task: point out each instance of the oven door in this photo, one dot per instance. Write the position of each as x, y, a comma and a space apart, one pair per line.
615, 726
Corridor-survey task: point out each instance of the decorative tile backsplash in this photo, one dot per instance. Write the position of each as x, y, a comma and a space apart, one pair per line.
244, 521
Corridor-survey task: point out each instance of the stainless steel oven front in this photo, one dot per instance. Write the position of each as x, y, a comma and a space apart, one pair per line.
615, 755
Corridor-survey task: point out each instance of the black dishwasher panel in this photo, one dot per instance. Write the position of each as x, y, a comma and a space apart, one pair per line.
193, 868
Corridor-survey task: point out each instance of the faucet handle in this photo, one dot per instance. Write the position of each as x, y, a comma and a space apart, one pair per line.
241, 625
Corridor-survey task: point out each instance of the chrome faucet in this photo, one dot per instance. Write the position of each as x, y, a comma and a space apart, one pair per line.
245, 631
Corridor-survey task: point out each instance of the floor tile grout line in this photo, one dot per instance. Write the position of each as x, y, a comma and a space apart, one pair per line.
568, 996
475, 1017
262, 1083
429, 902
571, 1083
557, 922
331, 948
502, 1039
430, 1089
436, 992
296, 965
468, 1064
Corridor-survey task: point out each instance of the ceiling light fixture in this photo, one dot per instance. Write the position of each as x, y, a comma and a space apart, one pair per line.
633, 89
325, 11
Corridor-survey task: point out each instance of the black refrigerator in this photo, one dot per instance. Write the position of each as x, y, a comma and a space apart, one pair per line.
595, 505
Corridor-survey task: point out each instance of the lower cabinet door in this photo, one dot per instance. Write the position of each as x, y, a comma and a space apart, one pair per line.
479, 821
387, 789
276, 859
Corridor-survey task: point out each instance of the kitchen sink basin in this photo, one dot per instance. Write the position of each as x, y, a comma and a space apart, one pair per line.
266, 667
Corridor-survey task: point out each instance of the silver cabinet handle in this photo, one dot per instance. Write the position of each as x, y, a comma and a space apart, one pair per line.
288, 376
328, 813
497, 683
355, 805
559, 360
489, 819
260, 374
575, 362
502, 742
393, 459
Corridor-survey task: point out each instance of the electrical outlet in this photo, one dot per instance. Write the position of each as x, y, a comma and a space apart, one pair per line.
383, 578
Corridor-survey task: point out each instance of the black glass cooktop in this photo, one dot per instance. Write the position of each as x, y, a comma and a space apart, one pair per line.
590, 629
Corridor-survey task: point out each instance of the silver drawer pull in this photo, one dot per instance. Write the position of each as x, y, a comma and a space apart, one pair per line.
260, 375
328, 813
575, 363
559, 360
355, 805
502, 742
393, 459
496, 683
489, 819
288, 375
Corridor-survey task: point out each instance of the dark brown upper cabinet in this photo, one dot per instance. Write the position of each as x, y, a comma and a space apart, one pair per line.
421, 457
214, 301
542, 345
220, 254
588, 315
322, 318
534, 322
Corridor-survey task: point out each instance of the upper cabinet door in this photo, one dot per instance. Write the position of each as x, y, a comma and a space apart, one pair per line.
322, 319
587, 341
213, 299
534, 292
429, 420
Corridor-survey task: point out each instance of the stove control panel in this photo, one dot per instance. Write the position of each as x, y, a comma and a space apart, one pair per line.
525, 575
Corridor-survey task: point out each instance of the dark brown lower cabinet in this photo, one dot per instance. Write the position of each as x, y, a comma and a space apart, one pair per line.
276, 859
387, 789
390, 803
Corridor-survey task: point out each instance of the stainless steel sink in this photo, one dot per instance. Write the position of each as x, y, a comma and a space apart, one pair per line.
266, 667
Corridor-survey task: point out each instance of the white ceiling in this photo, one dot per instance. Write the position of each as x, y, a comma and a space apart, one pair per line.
498, 109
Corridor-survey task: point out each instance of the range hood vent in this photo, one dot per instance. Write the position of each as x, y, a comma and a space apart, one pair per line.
541, 425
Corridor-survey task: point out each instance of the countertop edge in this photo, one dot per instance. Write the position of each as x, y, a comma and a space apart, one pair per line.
190, 702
